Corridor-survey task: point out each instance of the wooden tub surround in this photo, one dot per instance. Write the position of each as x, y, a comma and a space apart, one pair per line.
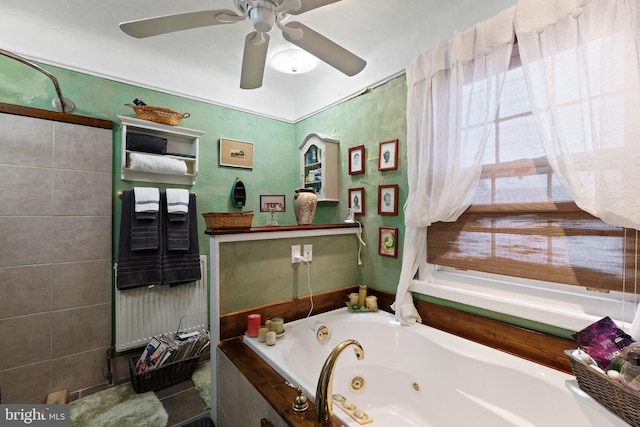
535, 346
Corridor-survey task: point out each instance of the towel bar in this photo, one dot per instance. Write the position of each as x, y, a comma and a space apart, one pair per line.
121, 192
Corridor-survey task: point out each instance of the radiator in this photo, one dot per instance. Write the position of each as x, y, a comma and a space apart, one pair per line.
142, 313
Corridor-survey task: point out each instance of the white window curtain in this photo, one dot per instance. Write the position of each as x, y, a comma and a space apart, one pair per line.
580, 59
453, 92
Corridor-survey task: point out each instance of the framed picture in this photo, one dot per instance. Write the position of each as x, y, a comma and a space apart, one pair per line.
356, 160
237, 154
356, 200
269, 202
388, 199
388, 242
388, 155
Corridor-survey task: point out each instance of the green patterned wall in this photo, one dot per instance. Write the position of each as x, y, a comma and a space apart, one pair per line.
374, 116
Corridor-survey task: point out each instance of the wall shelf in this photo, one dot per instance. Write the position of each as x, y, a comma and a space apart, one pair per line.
182, 144
319, 166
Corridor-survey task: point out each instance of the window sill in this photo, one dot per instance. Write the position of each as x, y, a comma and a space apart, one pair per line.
556, 305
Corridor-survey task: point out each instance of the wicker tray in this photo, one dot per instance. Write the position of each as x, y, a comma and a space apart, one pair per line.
162, 377
228, 220
609, 393
158, 114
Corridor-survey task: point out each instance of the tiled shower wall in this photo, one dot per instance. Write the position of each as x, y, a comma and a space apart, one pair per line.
55, 256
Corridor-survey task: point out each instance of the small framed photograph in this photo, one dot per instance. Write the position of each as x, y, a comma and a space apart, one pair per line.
237, 154
356, 200
388, 155
356, 160
388, 199
269, 202
388, 242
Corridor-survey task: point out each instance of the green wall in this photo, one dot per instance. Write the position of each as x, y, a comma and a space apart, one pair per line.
375, 116
372, 117
260, 274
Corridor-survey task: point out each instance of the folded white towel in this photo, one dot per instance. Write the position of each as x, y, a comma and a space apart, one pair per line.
177, 200
147, 199
157, 164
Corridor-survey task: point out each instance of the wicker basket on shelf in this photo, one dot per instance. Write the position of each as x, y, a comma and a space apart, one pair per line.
609, 393
228, 220
158, 114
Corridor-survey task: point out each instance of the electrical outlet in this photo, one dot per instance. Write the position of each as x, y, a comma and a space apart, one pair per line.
307, 252
295, 253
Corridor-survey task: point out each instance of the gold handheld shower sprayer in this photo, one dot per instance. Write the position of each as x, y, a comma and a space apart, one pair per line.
61, 104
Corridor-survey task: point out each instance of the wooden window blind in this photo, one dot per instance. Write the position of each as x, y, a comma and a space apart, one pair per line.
523, 223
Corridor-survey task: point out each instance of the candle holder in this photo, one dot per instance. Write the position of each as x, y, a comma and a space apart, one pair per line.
272, 222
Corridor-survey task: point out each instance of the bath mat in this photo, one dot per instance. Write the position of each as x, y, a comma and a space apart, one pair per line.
202, 380
119, 406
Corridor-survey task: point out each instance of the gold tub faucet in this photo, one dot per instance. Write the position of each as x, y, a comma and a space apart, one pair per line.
324, 390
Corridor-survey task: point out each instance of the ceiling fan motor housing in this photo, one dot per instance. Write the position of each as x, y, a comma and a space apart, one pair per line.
262, 16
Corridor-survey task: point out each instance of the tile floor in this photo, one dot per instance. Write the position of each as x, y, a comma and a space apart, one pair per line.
182, 403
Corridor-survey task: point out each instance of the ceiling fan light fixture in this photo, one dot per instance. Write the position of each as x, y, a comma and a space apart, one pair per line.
293, 61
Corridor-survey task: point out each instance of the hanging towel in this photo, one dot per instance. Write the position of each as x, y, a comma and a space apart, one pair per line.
177, 226
137, 267
145, 224
147, 201
180, 266
177, 201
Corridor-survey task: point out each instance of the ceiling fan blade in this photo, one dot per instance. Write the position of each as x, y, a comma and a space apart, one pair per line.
308, 5
182, 21
254, 59
323, 48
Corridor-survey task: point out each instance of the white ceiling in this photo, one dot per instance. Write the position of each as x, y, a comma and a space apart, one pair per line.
205, 63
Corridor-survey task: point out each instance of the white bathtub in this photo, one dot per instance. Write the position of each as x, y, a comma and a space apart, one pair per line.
420, 376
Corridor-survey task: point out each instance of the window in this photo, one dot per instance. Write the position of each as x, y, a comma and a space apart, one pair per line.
524, 224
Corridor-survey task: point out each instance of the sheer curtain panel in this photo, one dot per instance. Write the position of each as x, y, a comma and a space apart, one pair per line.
580, 59
453, 93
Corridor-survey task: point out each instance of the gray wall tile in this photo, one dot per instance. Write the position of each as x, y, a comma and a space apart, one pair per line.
25, 190
81, 193
25, 290
82, 148
81, 329
79, 371
26, 340
77, 284
26, 240
28, 384
25, 141
78, 238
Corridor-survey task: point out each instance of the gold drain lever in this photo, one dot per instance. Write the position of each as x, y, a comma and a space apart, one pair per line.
300, 402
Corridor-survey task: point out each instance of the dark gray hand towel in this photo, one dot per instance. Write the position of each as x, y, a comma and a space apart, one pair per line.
178, 232
183, 265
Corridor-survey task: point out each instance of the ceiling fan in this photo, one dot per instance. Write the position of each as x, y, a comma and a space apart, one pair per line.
263, 14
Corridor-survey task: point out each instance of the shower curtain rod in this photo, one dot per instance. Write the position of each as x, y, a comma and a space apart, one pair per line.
61, 104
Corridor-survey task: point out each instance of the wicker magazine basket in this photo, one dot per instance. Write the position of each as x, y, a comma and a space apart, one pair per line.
228, 220
158, 114
609, 393
162, 377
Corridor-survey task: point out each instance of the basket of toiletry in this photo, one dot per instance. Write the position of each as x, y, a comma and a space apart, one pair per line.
607, 368
158, 114
228, 220
167, 360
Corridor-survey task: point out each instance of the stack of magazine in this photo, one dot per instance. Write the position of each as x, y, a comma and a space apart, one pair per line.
166, 349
